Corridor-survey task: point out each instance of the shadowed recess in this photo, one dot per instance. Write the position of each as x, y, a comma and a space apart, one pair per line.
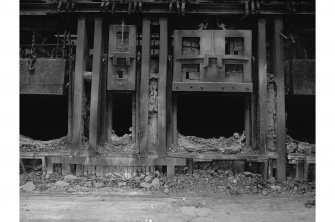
210, 115
43, 117
300, 110
122, 113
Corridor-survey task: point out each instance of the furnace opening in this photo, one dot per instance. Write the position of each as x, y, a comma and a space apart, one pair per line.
210, 115
300, 110
43, 117
122, 113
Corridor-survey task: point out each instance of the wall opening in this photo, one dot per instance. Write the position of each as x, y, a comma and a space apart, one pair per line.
191, 46
43, 117
154, 47
300, 124
122, 113
210, 115
191, 71
234, 46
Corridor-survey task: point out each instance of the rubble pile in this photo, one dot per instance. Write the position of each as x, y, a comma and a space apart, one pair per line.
232, 145
30, 145
201, 181
235, 183
216, 181
295, 147
122, 144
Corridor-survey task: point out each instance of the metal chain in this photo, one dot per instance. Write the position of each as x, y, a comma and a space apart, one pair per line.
69, 44
32, 56
32, 50
64, 44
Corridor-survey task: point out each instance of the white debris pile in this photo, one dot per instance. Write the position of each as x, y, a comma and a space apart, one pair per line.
119, 144
201, 181
30, 145
232, 145
295, 147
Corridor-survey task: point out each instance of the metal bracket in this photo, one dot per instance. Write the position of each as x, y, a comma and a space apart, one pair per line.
128, 56
218, 57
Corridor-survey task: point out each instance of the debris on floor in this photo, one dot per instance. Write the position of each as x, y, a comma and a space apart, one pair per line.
30, 145
201, 181
232, 145
295, 147
122, 144
28, 187
310, 203
61, 184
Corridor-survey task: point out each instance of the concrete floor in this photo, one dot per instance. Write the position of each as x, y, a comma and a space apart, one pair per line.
115, 207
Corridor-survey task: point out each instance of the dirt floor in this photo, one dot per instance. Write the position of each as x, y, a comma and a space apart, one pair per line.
146, 207
213, 192
205, 195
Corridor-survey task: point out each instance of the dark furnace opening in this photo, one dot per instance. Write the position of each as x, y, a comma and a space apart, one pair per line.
43, 117
122, 113
300, 123
210, 115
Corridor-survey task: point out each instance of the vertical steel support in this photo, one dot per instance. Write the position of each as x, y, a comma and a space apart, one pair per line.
98, 51
262, 83
278, 64
78, 97
174, 118
162, 83
169, 123
103, 105
144, 89
70, 100
109, 117
247, 119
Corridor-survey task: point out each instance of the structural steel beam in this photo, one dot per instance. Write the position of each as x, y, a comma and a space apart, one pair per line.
149, 7
78, 99
144, 89
262, 83
162, 83
98, 50
169, 105
70, 99
278, 64
109, 112
103, 104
